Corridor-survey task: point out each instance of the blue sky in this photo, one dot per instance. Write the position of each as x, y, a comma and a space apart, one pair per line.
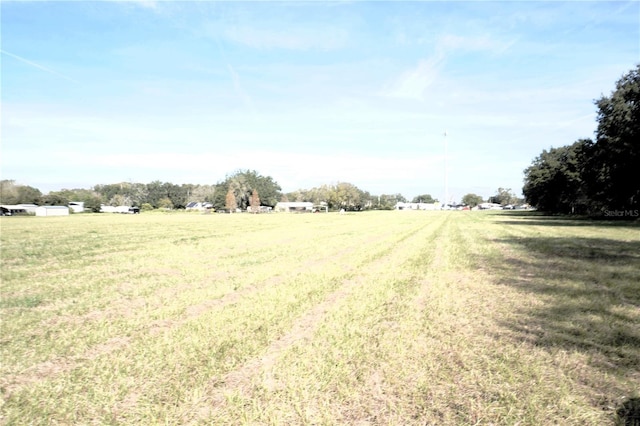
308, 92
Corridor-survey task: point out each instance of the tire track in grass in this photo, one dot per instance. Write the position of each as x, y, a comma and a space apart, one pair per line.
194, 311
59, 365
435, 263
375, 406
127, 307
378, 308
242, 380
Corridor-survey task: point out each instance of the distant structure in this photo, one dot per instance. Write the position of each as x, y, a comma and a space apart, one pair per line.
17, 209
417, 206
200, 206
294, 207
489, 206
446, 169
76, 206
52, 211
119, 209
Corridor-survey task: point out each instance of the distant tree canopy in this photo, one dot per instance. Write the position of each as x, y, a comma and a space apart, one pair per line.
554, 182
342, 195
388, 202
158, 194
504, 196
166, 195
28, 195
472, 200
612, 161
248, 187
591, 176
12, 193
426, 198
55, 199
242, 183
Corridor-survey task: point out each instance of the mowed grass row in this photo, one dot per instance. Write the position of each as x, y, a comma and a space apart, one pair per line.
306, 255
442, 342
96, 294
376, 318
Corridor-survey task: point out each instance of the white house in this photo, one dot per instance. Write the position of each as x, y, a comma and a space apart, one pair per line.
52, 211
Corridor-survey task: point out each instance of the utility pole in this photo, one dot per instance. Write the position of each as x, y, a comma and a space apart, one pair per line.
446, 170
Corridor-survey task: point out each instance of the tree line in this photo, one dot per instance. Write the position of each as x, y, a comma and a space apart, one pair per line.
240, 190
599, 176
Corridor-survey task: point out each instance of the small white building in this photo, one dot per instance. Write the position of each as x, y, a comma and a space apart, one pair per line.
118, 209
261, 209
294, 207
13, 209
52, 211
29, 208
76, 206
418, 206
489, 206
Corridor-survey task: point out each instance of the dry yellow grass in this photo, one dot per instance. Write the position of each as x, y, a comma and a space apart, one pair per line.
373, 318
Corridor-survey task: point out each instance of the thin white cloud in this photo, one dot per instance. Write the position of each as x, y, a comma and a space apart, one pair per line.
239, 89
413, 83
36, 65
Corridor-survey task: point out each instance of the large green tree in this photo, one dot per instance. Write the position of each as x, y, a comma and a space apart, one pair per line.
92, 203
611, 171
389, 201
8, 192
28, 195
554, 183
503, 196
424, 198
242, 183
55, 198
202, 193
127, 193
472, 200
78, 194
594, 175
12, 193
166, 195
347, 196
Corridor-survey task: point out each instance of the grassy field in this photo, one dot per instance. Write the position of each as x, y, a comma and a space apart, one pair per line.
380, 318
